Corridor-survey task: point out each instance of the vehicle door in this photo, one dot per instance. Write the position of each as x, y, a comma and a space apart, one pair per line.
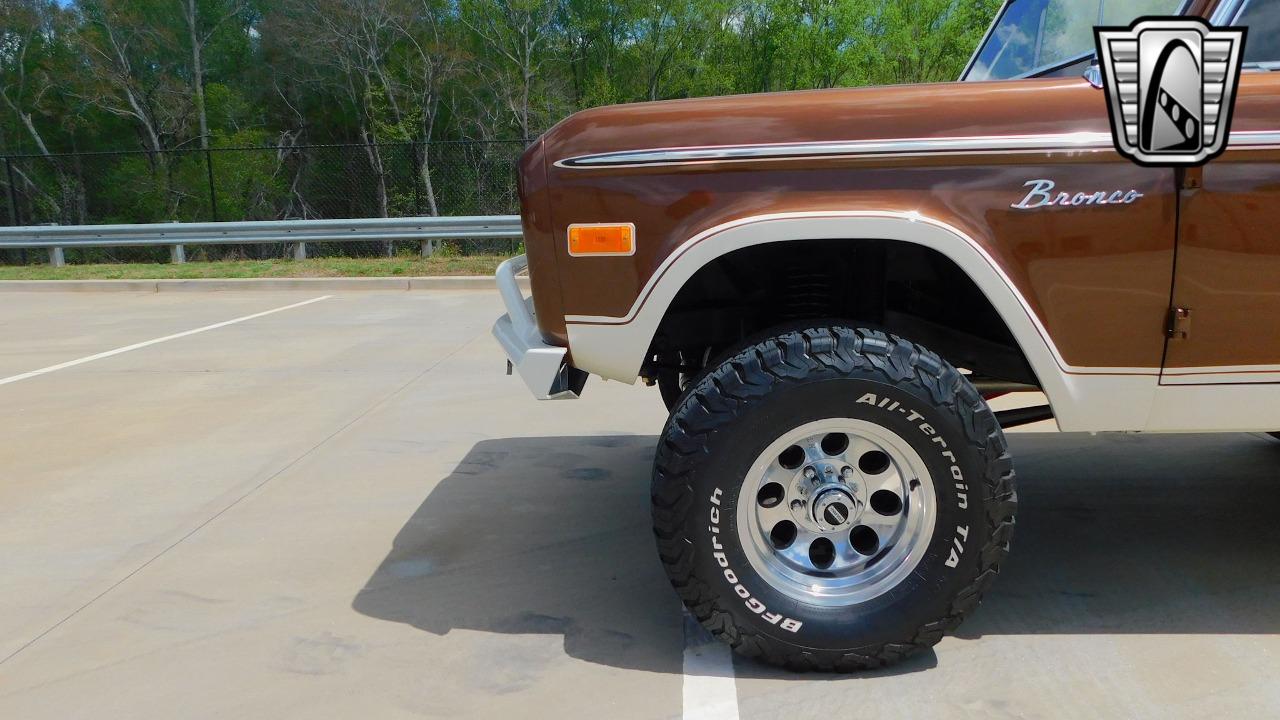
1225, 326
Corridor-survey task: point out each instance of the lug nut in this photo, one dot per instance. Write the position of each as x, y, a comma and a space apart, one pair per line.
847, 474
810, 473
797, 505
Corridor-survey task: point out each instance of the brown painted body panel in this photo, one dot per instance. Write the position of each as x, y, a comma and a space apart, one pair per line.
535, 220
1229, 249
1097, 277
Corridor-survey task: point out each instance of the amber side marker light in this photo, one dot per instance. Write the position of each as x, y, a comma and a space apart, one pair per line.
602, 239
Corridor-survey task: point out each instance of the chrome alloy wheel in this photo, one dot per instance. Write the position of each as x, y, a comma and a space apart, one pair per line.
836, 512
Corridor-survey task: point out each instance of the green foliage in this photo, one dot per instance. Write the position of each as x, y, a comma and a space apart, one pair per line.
621, 51
137, 190
248, 185
121, 74
165, 79
448, 249
231, 111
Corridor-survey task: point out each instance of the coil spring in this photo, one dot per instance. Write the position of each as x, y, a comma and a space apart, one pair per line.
810, 292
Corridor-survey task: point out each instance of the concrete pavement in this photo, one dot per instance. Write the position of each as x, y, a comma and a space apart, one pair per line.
345, 509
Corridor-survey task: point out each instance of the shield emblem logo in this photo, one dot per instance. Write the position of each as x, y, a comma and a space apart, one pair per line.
1171, 85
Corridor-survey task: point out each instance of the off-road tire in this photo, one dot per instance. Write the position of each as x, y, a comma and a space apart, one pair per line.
738, 408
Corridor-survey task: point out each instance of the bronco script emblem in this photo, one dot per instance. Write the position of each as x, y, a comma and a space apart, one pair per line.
1043, 193
1171, 86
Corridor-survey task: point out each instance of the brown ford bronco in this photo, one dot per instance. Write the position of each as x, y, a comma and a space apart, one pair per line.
827, 287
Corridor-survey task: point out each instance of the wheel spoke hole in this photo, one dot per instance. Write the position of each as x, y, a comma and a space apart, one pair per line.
792, 457
835, 443
864, 540
886, 502
822, 553
771, 495
873, 462
783, 534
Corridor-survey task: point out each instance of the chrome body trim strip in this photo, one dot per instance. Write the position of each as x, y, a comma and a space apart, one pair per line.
968, 67
1226, 13
1056, 142
1253, 139
891, 146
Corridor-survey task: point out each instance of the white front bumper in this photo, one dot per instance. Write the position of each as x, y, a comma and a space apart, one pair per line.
541, 366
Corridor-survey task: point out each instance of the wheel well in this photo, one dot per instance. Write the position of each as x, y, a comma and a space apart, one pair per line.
907, 289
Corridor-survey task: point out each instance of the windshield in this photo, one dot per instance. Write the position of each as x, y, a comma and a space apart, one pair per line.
1034, 35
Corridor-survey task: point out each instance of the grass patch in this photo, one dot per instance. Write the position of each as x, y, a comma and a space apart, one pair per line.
278, 268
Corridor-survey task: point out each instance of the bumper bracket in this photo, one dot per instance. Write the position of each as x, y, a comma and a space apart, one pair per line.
542, 366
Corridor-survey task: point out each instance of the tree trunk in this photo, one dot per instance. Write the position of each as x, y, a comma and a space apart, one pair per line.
424, 163
59, 204
424, 171
197, 73
524, 103
380, 186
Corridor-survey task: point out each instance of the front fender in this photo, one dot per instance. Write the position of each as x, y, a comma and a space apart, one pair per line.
1083, 398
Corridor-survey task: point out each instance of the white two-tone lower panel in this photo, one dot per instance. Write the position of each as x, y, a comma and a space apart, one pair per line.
1215, 408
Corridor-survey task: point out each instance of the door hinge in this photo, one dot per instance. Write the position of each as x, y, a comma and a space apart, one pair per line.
1178, 326
1190, 178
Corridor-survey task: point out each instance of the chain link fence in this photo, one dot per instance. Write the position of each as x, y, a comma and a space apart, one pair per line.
261, 183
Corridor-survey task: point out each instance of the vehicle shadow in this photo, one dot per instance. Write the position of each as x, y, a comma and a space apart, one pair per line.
540, 536
1116, 534
1140, 534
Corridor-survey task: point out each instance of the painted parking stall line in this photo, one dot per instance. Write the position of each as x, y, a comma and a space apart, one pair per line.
156, 341
710, 691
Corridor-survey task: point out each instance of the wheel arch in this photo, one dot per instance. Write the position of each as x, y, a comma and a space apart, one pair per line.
616, 347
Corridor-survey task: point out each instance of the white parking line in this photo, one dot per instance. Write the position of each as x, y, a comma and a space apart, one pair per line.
710, 692
147, 343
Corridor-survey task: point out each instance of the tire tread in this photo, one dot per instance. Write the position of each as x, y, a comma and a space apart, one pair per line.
789, 358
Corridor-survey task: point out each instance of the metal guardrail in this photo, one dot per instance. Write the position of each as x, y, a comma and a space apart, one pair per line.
426, 230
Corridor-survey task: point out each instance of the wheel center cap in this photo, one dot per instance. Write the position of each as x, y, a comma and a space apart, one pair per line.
833, 509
